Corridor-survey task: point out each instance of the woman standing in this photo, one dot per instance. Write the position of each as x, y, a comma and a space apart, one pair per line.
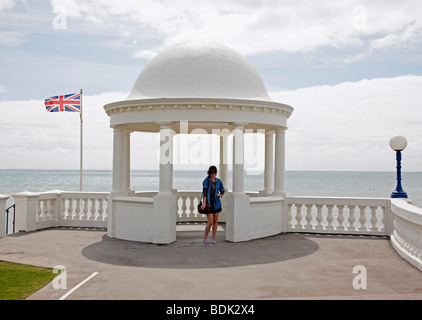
212, 191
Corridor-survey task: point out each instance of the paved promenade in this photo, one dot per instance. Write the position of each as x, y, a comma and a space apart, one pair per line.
286, 266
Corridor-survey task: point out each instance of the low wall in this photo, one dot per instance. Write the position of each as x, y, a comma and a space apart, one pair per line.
266, 216
34, 211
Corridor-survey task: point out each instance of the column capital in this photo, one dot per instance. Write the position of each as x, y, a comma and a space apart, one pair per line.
269, 132
239, 125
280, 129
164, 124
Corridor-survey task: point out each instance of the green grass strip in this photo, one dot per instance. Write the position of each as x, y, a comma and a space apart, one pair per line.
19, 281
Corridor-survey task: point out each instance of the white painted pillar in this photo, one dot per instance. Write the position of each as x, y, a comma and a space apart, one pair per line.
279, 183
223, 171
26, 206
238, 158
118, 160
165, 202
238, 210
126, 160
166, 158
269, 162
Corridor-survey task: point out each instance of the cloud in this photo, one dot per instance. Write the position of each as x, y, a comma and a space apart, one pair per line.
348, 126
7, 4
145, 54
12, 38
253, 27
341, 127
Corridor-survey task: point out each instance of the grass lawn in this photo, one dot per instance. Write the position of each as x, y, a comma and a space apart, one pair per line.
19, 281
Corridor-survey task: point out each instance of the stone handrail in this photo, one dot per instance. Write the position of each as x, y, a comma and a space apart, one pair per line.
58, 209
339, 215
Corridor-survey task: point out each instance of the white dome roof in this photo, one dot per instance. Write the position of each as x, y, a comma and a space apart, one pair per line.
198, 70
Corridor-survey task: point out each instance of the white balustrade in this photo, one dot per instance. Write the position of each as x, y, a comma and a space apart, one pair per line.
187, 207
406, 237
338, 215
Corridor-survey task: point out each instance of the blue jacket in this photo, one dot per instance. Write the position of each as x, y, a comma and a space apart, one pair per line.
219, 188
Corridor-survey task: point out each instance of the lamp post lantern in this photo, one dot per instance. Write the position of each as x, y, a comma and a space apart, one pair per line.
398, 144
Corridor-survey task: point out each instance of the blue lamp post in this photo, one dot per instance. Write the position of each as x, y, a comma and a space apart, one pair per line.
398, 144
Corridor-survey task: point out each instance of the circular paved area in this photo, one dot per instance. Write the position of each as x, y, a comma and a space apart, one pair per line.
285, 266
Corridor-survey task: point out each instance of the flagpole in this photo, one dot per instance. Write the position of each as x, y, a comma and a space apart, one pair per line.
81, 152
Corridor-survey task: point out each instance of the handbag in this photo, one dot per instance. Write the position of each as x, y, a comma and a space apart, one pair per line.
206, 210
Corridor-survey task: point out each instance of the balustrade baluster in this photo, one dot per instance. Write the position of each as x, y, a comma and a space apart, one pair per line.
63, 209
373, 219
362, 218
300, 216
85, 210
93, 210
40, 209
319, 217
79, 209
100, 210
351, 218
184, 207
50, 210
290, 216
340, 218
71, 209
309, 216
191, 207
330, 218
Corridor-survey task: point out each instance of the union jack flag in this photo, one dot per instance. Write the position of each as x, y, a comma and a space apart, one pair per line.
67, 102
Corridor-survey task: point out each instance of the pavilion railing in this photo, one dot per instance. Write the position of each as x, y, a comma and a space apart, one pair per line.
339, 215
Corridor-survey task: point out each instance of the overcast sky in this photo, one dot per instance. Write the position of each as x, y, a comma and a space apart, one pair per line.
352, 70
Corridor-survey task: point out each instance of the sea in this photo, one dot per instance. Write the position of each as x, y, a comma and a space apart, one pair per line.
298, 183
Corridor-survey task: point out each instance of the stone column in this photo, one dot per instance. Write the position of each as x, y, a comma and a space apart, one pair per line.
165, 202
118, 160
238, 158
269, 163
279, 183
126, 160
224, 159
238, 212
166, 158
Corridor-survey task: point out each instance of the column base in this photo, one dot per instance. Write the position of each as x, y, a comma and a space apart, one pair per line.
237, 217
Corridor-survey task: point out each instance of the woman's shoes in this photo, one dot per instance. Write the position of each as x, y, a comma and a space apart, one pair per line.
207, 242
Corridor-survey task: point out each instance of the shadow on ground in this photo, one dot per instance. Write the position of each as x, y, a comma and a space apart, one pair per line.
189, 252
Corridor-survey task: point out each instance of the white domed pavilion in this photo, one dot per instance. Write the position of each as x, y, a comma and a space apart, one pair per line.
187, 87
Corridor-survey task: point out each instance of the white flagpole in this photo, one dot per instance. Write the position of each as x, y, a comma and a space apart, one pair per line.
81, 151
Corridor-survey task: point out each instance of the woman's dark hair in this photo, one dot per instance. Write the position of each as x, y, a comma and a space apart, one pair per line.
212, 169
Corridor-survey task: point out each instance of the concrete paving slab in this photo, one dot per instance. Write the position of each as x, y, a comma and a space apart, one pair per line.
285, 266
